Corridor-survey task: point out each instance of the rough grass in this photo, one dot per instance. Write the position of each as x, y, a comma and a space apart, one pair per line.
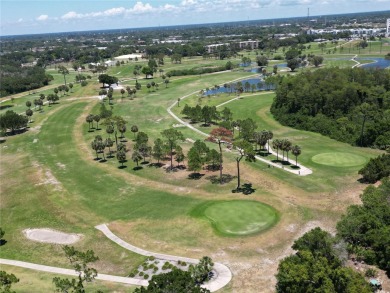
35, 281
56, 183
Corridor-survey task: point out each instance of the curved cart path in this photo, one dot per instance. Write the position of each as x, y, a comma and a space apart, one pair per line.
223, 273
303, 171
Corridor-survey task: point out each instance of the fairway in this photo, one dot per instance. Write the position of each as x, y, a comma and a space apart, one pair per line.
337, 159
240, 217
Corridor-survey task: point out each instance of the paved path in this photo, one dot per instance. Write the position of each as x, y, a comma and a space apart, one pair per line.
69, 272
303, 171
223, 273
357, 62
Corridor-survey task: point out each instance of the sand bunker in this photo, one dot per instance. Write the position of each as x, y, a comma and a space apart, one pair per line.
51, 236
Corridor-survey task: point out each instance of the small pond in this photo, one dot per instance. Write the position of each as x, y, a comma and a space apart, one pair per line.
256, 81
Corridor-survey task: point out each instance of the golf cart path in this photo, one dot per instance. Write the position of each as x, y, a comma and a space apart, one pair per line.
302, 171
70, 272
223, 273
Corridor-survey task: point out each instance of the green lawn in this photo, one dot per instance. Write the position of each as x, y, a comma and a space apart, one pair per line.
237, 217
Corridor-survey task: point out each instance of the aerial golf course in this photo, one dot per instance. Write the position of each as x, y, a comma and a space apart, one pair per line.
51, 179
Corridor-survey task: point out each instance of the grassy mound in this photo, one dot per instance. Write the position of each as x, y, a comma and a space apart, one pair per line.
238, 217
338, 159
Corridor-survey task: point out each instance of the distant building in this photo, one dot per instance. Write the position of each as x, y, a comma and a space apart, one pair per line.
388, 28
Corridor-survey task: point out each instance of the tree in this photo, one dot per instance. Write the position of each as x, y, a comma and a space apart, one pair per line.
366, 227
144, 150
316, 268
147, 71
29, 113
201, 272
317, 60
134, 129
247, 129
174, 281
28, 104
109, 143
80, 262
158, 150
12, 121
121, 156
89, 120
136, 157
293, 63
71, 87
166, 81
261, 61
2, 232
296, 151
376, 169
107, 79
64, 71
6, 281
122, 129
142, 138
276, 144
110, 129
97, 119
244, 149
171, 137
179, 156
220, 135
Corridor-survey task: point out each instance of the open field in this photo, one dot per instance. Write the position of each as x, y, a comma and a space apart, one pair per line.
51, 180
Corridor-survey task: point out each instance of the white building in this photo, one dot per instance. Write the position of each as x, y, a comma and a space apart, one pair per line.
388, 28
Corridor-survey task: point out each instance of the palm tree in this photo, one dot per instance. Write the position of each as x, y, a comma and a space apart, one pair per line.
166, 81
64, 71
296, 151
276, 144
286, 147
270, 135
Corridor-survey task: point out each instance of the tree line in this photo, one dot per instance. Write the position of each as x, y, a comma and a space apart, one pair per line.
363, 234
350, 105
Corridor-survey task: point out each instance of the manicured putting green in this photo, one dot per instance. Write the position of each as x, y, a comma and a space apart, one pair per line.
338, 159
240, 217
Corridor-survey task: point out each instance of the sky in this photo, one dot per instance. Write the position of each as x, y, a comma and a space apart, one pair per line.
47, 16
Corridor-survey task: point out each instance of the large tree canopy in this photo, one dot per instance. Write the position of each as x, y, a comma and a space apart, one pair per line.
317, 267
367, 227
350, 105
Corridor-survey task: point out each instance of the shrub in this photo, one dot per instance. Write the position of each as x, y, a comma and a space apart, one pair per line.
376, 169
84, 83
141, 273
131, 275
146, 276
371, 273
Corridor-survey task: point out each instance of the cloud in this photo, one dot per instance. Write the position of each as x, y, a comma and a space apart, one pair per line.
71, 15
42, 17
